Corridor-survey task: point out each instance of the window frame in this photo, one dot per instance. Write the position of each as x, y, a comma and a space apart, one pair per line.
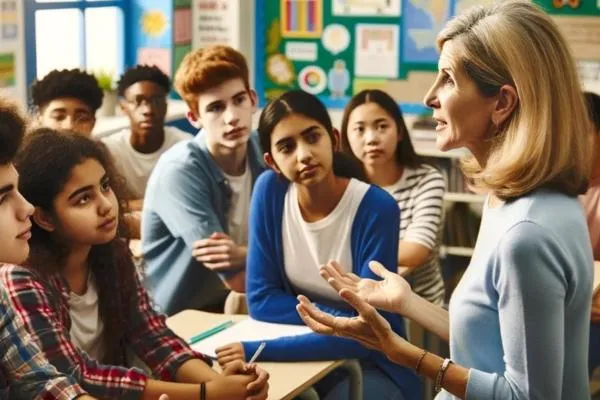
32, 6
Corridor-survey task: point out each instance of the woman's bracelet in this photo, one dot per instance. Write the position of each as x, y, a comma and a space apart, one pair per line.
421, 357
440, 375
203, 391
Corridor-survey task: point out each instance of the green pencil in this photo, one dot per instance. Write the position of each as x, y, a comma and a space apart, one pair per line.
209, 332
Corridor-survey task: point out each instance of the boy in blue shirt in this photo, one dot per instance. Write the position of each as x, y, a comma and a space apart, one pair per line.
194, 221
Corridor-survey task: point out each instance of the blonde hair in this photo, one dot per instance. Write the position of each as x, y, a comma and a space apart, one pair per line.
205, 68
544, 142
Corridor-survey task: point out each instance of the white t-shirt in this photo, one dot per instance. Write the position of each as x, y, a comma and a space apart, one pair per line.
237, 217
308, 245
134, 166
86, 326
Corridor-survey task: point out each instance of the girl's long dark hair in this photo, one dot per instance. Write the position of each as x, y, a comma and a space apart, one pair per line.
302, 103
405, 152
45, 164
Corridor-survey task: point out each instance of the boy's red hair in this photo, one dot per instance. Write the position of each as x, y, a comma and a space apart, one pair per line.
206, 68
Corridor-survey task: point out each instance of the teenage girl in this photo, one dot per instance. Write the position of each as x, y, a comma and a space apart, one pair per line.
79, 294
374, 132
305, 211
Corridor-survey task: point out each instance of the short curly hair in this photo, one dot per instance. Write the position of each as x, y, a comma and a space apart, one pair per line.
67, 83
12, 130
141, 73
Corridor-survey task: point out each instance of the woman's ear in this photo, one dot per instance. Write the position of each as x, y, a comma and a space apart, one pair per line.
337, 140
43, 219
506, 102
271, 163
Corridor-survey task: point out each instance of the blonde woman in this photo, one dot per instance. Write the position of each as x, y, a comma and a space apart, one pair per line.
518, 323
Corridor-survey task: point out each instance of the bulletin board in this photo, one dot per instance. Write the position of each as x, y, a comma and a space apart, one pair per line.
336, 48
12, 50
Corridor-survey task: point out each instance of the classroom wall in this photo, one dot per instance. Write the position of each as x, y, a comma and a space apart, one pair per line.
336, 48
161, 31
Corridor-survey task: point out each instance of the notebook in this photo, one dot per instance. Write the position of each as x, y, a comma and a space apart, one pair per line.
245, 331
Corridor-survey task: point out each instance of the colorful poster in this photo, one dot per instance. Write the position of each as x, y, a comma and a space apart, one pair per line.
8, 20
159, 57
7, 70
301, 18
374, 8
423, 19
376, 53
215, 22
183, 25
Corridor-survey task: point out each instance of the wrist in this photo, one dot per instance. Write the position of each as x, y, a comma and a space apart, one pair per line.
405, 354
406, 308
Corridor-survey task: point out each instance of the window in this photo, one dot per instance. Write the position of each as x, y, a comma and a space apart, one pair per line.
86, 34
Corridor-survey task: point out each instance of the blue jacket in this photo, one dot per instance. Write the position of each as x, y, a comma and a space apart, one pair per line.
374, 236
187, 199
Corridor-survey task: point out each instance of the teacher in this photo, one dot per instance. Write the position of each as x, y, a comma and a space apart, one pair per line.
518, 321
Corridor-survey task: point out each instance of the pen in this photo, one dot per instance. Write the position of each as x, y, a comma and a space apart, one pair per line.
257, 352
209, 332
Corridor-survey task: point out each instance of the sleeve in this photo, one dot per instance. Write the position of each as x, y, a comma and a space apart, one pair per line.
29, 373
150, 338
531, 285
427, 212
184, 203
29, 298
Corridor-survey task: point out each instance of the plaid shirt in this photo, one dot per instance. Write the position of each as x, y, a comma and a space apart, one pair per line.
27, 370
45, 311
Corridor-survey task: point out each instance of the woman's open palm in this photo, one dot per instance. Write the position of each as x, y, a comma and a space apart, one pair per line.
392, 293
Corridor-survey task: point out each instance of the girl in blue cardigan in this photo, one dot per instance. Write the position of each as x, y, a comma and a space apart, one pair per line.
305, 212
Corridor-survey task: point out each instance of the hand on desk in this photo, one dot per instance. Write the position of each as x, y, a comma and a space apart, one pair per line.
233, 352
219, 253
390, 294
256, 379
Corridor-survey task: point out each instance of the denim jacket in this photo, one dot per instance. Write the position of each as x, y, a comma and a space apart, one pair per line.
187, 199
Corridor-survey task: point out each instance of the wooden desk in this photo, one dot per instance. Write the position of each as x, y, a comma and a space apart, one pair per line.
287, 380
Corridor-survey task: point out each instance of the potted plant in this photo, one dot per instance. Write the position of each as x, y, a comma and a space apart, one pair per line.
106, 82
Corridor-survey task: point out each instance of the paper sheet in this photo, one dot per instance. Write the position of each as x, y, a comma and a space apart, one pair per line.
245, 331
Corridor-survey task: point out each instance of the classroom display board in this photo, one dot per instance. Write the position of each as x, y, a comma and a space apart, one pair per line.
336, 48
12, 50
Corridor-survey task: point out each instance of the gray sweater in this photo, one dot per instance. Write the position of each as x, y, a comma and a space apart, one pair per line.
520, 316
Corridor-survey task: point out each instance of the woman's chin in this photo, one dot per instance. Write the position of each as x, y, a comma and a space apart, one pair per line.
443, 143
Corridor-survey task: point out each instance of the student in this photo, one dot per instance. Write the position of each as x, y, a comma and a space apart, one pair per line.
374, 132
305, 212
591, 204
79, 294
518, 322
67, 100
143, 91
194, 222
24, 371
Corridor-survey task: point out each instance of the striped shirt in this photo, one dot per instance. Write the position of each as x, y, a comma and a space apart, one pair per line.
420, 196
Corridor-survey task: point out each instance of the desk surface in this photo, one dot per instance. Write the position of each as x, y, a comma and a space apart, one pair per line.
287, 379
